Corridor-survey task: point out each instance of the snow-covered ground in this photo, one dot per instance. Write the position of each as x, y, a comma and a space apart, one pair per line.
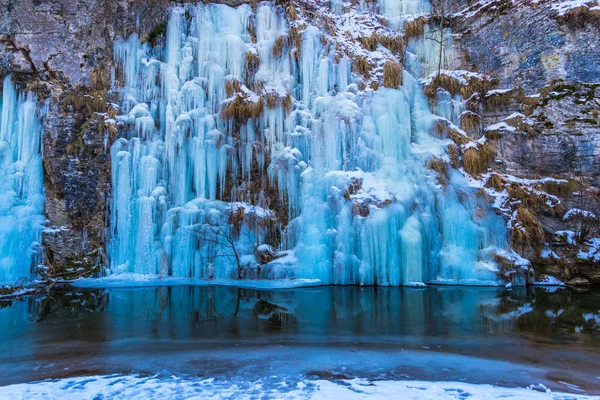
133, 387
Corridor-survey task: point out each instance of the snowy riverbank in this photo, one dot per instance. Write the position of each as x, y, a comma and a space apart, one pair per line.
132, 387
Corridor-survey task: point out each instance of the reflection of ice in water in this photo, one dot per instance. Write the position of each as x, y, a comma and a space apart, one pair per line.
439, 333
388, 314
17, 334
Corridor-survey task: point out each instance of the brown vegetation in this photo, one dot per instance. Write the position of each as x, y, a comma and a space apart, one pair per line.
232, 86
526, 230
477, 158
496, 100
415, 27
363, 66
251, 63
535, 200
455, 86
438, 165
287, 103
453, 154
496, 182
469, 121
242, 109
393, 43
278, 46
392, 74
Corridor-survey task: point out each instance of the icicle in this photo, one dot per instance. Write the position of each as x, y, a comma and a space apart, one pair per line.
21, 183
396, 10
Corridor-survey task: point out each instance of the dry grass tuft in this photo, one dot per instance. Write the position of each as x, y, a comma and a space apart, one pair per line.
251, 28
278, 46
439, 129
272, 98
453, 154
532, 100
454, 86
242, 109
495, 182
533, 199
251, 63
437, 164
393, 43
498, 100
87, 103
526, 230
415, 27
363, 66
392, 75
374, 85
292, 12
469, 121
476, 159
295, 36
369, 42
443, 129
456, 136
232, 86
296, 40
329, 25
287, 103
444, 81
561, 188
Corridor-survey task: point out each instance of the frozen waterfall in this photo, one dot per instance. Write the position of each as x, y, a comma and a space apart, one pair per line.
21, 183
243, 130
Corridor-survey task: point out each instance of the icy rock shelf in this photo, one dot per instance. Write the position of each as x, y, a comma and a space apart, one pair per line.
326, 146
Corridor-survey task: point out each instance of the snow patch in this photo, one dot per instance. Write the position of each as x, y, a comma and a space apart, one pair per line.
137, 387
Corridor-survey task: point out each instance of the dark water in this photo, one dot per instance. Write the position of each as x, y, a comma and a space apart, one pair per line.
479, 335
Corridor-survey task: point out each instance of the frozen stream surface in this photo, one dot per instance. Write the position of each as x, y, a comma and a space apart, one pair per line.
314, 342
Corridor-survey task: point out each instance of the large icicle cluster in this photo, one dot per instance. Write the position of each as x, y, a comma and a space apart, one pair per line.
238, 105
21, 182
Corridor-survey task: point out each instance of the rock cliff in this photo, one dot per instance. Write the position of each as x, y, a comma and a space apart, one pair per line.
541, 115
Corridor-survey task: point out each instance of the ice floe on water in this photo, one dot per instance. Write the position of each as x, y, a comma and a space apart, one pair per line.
141, 280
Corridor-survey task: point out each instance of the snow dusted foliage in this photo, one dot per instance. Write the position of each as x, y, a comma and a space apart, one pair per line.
239, 104
21, 182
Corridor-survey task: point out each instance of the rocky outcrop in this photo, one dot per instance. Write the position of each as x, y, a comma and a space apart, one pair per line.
77, 176
528, 44
544, 120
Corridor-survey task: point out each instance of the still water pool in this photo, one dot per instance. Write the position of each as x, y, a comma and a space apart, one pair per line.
509, 338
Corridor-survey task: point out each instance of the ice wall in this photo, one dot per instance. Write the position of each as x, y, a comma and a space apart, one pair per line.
220, 119
21, 183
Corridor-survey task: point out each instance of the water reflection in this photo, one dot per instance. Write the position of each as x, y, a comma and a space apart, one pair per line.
323, 313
